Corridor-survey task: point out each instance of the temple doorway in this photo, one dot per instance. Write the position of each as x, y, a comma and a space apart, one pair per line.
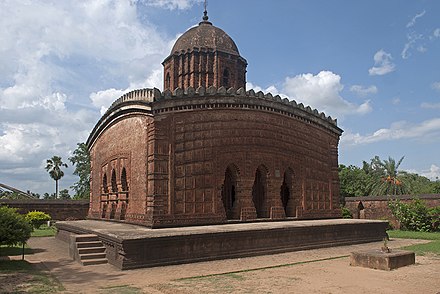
229, 191
259, 192
286, 190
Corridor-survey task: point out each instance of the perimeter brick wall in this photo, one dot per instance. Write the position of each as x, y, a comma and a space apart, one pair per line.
376, 207
57, 209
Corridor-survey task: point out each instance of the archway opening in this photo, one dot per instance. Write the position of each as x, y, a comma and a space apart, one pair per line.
286, 190
229, 191
259, 192
114, 185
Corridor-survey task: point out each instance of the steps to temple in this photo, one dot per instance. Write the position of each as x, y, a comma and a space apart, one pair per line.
87, 249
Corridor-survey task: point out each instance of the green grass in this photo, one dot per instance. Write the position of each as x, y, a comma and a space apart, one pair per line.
14, 250
19, 276
413, 235
120, 289
44, 231
420, 249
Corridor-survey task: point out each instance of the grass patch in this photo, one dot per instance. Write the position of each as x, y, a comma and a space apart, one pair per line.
19, 276
44, 231
120, 289
420, 249
413, 235
14, 250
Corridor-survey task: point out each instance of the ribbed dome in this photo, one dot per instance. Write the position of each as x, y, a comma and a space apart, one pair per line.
205, 35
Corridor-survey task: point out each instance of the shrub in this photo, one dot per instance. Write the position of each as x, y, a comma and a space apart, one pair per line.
14, 229
416, 216
37, 218
346, 213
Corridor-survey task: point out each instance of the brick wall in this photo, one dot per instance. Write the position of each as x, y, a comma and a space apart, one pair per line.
57, 209
177, 154
376, 207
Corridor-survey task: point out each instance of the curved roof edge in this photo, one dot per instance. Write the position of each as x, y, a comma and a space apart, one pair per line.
146, 99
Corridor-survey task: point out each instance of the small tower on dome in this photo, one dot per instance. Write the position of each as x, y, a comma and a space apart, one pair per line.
204, 56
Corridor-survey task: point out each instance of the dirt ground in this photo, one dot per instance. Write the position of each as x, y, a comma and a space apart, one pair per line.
324, 270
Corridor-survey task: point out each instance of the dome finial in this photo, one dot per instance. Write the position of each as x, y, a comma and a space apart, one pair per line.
205, 13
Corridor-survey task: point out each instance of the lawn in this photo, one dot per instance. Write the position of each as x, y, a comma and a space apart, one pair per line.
432, 247
44, 231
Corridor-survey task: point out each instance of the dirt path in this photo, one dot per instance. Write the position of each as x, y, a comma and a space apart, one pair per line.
324, 270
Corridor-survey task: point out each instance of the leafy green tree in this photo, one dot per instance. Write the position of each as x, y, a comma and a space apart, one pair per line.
81, 160
53, 167
416, 184
353, 181
48, 196
14, 229
386, 180
64, 194
37, 218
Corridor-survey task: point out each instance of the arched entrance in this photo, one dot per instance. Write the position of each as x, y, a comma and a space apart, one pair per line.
286, 190
259, 192
229, 190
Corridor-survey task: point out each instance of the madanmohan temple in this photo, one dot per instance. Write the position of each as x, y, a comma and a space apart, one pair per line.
207, 151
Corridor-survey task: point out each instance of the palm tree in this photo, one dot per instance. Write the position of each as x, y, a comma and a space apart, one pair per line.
53, 167
389, 183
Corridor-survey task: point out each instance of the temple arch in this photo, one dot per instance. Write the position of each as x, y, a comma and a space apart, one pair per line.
229, 190
259, 191
286, 190
114, 184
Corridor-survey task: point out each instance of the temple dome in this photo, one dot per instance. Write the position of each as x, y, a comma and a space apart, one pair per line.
205, 35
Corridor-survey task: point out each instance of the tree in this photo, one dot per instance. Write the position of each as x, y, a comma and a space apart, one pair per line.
81, 160
353, 181
14, 229
53, 167
64, 194
385, 176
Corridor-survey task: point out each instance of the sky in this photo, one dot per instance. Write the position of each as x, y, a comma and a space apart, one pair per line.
372, 64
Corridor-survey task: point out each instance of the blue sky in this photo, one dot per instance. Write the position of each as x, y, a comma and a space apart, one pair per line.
374, 65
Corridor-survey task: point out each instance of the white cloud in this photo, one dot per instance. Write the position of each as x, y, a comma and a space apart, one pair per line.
436, 33
382, 64
323, 91
412, 38
436, 86
398, 130
412, 22
271, 89
395, 101
63, 61
430, 105
433, 173
363, 91
171, 4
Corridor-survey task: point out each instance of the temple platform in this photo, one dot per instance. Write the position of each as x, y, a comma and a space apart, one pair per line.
130, 246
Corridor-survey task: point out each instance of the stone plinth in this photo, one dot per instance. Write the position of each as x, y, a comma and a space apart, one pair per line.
377, 259
130, 246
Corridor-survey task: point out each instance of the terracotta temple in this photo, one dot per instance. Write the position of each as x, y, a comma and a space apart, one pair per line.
207, 151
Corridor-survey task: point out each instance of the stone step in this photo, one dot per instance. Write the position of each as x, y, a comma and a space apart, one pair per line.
86, 238
92, 256
88, 244
94, 261
91, 250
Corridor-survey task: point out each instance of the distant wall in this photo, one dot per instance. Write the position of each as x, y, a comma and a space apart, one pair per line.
376, 207
57, 209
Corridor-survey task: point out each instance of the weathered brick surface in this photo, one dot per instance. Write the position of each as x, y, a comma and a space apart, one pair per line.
57, 209
176, 157
376, 207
